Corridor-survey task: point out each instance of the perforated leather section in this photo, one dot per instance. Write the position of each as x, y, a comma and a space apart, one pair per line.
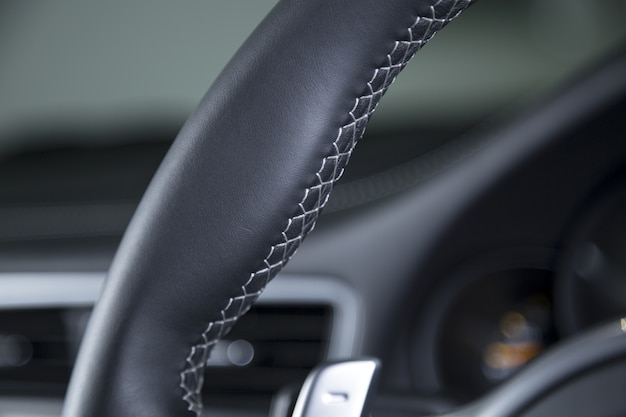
315, 197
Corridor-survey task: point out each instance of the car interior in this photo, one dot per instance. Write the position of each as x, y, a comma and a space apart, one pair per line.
474, 249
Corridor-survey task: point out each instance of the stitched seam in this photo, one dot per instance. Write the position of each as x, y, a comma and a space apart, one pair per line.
315, 197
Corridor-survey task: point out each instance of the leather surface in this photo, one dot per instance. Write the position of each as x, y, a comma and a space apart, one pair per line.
242, 185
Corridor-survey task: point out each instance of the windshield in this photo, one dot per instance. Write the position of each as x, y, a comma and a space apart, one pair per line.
83, 73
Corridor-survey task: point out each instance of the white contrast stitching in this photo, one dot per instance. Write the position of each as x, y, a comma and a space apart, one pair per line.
315, 197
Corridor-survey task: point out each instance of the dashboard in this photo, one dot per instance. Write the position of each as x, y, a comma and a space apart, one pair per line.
457, 260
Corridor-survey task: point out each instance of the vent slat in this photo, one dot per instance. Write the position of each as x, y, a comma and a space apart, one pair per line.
287, 340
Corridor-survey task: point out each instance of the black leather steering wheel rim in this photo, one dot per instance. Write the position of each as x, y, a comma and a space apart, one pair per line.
241, 187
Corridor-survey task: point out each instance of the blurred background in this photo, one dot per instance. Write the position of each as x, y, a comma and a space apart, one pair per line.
92, 94
75, 72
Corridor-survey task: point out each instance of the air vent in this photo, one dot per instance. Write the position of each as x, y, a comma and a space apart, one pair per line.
35, 352
272, 346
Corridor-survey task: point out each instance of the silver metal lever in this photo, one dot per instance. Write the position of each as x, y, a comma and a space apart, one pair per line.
338, 389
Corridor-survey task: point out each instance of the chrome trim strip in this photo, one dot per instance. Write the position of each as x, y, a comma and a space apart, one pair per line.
37, 290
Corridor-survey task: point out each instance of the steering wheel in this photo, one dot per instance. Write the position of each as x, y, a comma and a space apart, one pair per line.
240, 188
